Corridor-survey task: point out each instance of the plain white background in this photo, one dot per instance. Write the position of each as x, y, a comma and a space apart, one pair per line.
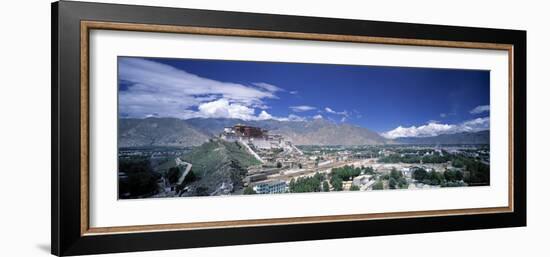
25, 128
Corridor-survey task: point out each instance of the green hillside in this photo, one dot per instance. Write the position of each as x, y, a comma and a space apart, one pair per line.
218, 162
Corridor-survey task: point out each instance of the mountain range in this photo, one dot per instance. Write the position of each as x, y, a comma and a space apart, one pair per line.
465, 138
193, 132
158, 132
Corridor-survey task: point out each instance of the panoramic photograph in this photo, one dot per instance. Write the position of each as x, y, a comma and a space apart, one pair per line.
194, 127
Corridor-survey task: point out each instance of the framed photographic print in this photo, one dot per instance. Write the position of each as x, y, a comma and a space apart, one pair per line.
178, 128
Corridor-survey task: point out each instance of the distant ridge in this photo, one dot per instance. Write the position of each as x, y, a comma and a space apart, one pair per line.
466, 138
192, 132
158, 132
310, 132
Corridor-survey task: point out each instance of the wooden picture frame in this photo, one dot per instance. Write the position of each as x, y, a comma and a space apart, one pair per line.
71, 25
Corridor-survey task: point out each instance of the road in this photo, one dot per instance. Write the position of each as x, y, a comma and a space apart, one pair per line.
179, 162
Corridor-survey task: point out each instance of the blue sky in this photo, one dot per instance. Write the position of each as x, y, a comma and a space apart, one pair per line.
394, 101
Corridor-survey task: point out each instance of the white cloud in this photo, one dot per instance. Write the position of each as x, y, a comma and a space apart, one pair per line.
293, 92
480, 109
329, 110
475, 124
264, 116
157, 89
290, 117
447, 114
430, 129
343, 119
357, 114
302, 108
268, 87
434, 128
293, 117
223, 109
318, 116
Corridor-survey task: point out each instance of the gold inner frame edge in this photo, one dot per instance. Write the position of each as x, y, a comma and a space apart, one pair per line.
86, 26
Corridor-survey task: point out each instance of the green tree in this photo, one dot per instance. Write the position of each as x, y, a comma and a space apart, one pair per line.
369, 170
190, 177
354, 188
453, 175
173, 175
395, 174
306, 184
420, 174
140, 178
326, 186
478, 173
434, 178
459, 175
435, 158
337, 183
346, 173
279, 165
392, 183
402, 183
249, 191
457, 162
379, 185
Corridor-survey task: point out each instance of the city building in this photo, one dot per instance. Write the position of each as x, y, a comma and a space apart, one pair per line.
271, 187
243, 131
361, 180
258, 138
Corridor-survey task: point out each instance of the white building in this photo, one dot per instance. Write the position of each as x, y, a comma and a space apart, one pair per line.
272, 187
